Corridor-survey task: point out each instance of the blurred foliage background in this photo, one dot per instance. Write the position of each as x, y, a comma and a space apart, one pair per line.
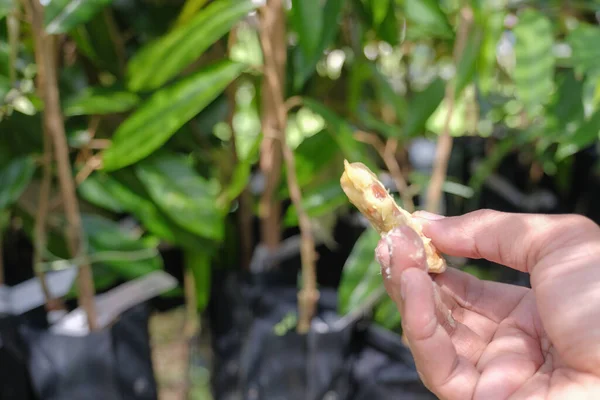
166, 111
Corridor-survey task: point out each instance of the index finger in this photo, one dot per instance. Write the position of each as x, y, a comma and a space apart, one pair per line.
515, 240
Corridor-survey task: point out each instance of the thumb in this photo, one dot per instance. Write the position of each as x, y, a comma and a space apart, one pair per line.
400, 249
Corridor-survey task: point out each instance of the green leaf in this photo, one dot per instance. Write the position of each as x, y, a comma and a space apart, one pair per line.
241, 173
486, 64
100, 101
161, 60
130, 258
190, 8
305, 63
342, 133
379, 9
313, 155
14, 178
584, 136
427, 17
125, 193
584, 46
188, 198
322, 200
361, 274
534, 69
468, 61
61, 16
422, 106
165, 112
96, 40
199, 262
6, 6
387, 314
307, 20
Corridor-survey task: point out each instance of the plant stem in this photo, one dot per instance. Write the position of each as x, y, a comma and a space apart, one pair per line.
53, 123
444, 146
275, 118
272, 38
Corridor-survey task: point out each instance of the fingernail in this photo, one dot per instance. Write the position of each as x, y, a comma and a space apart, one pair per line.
428, 216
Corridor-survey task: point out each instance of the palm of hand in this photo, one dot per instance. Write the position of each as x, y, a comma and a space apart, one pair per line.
501, 335
503, 341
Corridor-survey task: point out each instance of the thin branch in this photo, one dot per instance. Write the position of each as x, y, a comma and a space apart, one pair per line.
92, 164
53, 122
272, 39
444, 146
387, 152
275, 114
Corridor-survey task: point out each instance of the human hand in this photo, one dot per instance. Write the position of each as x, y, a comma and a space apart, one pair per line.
503, 341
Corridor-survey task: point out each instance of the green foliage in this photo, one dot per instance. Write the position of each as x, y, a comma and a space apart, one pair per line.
100, 101
165, 112
176, 50
188, 198
63, 15
171, 100
534, 69
14, 179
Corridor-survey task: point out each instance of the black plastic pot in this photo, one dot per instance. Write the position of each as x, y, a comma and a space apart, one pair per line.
112, 363
14, 376
253, 360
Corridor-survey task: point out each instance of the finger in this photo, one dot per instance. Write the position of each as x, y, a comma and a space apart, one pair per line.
442, 369
444, 372
400, 249
466, 329
518, 241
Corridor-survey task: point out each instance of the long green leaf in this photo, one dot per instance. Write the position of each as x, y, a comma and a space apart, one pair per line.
313, 155
165, 112
190, 9
361, 274
428, 18
468, 61
534, 69
95, 39
486, 63
161, 60
6, 6
99, 101
585, 50
188, 198
304, 64
14, 178
422, 106
241, 173
124, 193
307, 20
587, 134
63, 15
105, 235
379, 10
